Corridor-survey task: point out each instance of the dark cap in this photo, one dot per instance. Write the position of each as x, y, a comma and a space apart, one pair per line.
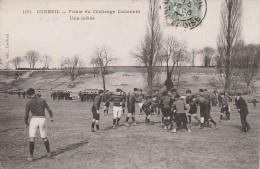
135, 89
30, 91
188, 91
100, 91
201, 90
177, 96
118, 90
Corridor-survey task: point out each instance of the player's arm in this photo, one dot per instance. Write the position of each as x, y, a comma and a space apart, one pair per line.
48, 109
26, 117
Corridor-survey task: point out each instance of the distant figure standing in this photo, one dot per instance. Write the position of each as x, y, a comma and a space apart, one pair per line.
37, 107
243, 111
24, 94
19, 94
254, 101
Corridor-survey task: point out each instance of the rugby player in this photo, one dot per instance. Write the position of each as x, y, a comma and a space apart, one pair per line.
166, 102
117, 98
193, 108
180, 107
147, 108
225, 108
95, 110
131, 107
37, 106
204, 110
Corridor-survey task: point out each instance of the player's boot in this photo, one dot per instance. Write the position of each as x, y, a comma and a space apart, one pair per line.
127, 124
48, 155
30, 158
134, 124
174, 131
201, 126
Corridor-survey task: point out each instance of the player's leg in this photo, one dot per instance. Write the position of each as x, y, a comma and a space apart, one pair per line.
114, 116
97, 124
228, 112
127, 119
133, 119
221, 113
189, 119
93, 125
119, 114
185, 121
196, 117
32, 132
202, 116
140, 106
43, 132
105, 110
175, 124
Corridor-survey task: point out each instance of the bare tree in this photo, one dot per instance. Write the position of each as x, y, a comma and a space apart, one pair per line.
47, 59
147, 53
32, 57
229, 35
247, 64
102, 56
93, 62
16, 61
173, 52
193, 55
73, 66
207, 55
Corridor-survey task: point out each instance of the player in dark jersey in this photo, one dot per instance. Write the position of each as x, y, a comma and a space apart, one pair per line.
167, 102
131, 107
147, 108
117, 98
225, 107
37, 107
180, 108
193, 108
95, 110
204, 110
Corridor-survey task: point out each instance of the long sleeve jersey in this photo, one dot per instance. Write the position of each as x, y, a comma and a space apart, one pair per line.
117, 99
37, 107
97, 102
240, 103
180, 106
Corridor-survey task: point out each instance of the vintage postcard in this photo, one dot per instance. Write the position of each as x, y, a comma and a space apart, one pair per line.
117, 84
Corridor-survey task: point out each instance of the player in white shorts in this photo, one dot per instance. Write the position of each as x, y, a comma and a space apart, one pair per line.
37, 107
117, 98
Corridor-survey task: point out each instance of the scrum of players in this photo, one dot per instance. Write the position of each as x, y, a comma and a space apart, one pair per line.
177, 111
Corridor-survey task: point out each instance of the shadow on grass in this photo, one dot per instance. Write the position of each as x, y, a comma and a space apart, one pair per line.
111, 127
6, 130
65, 149
236, 126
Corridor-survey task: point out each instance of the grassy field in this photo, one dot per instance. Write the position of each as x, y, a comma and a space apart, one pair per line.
142, 146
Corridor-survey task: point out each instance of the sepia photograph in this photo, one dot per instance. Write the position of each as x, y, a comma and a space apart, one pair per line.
129, 84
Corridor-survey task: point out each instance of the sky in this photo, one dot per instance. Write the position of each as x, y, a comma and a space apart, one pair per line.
60, 37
